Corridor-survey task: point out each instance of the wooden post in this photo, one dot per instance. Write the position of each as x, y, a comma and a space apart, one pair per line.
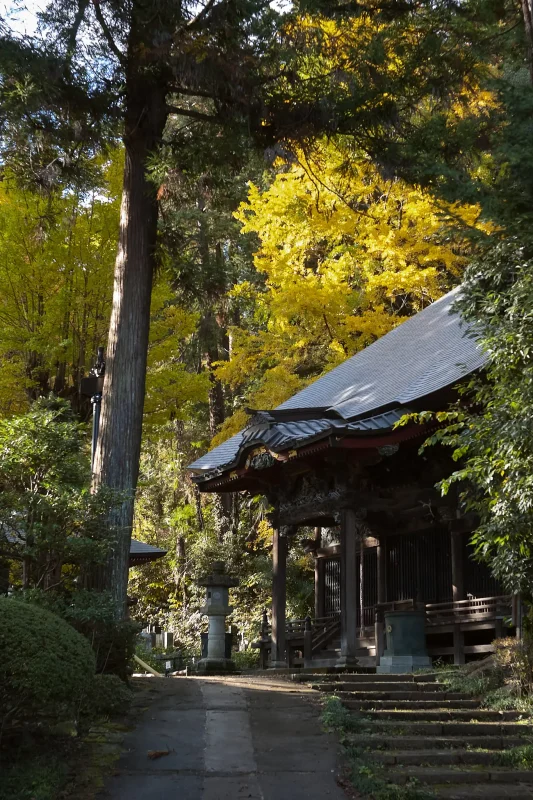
279, 597
320, 587
379, 624
458, 645
308, 643
349, 589
382, 572
320, 605
361, 586
264, 642
458, 583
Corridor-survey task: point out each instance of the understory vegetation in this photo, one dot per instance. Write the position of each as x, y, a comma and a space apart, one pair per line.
366, 775
503, 680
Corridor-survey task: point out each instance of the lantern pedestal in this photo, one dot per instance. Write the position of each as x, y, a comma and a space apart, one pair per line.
217, 608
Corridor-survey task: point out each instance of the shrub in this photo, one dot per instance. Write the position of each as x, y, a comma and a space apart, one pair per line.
44, 663
92, 614
246, 659
107, 695
515, 658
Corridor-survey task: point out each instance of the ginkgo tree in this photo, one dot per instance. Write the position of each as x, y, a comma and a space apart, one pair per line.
347, 255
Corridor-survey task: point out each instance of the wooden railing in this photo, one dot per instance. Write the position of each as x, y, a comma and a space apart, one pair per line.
307, 635
472, 610
453, 611
310, 636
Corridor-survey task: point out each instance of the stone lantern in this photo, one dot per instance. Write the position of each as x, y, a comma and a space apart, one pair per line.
217, 609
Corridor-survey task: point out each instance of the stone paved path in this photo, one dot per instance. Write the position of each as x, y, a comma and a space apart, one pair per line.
229, 739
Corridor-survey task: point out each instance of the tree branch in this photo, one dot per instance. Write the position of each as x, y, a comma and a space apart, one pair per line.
73, 33
193, 92
107, 33
201, 14
189, 112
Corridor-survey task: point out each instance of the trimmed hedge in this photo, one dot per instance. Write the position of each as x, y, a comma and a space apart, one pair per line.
45, 665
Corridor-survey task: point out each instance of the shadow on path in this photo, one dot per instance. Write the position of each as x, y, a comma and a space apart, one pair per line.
228, 739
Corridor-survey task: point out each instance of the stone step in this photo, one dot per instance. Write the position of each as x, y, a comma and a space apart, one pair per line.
407, 705
437, 715
435, 776
344, 690
376, 742
398, 727
377, 686
487, 791
435, 757
406, 677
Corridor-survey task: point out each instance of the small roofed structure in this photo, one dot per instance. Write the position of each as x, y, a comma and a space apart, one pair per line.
13, 539
142, 553
333, 458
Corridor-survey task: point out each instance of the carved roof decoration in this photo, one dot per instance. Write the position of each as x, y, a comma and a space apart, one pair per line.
365, 395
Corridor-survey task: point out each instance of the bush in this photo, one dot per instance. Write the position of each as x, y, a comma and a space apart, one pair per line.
515, 658
246, 659
108, 695
92, 614
44, 664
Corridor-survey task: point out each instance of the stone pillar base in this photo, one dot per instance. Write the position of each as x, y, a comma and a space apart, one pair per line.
398, 664
215, 666
347, 662
278, 665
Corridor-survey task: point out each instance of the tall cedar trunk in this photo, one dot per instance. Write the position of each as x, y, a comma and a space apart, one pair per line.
527, 11
119, 442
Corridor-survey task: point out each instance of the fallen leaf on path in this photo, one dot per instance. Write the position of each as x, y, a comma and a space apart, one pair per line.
153, 754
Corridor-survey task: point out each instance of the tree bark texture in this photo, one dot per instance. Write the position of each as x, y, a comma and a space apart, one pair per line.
119, 442
527, 11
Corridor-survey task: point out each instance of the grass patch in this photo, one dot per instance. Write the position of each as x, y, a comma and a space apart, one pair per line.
490, 687
456, 680
366, 776
520, 757
39, 777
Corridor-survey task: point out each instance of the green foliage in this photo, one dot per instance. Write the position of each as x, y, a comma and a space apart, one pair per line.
490, 432
338, 719
107, 695
47, 515
93, 614
45, 665
520, 757
246, 659
475, 685
31, 778
514, 657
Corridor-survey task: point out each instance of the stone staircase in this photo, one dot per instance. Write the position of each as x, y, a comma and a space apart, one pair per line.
366, 654
419, 731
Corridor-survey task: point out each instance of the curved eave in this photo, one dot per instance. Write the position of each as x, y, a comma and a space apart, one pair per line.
238, 479
138, 560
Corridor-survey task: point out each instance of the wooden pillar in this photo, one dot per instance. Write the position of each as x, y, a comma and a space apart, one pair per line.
279, 597
320, 587
349, 588
458, 646
379, 624
382, 572
458, 583
361, 586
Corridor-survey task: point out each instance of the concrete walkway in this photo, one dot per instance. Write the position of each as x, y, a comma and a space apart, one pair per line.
229, 739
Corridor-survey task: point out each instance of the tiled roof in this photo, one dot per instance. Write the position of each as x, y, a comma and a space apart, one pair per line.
430, 351
141, 550
138, 550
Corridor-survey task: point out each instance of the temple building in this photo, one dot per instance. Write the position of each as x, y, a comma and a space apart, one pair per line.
333, 458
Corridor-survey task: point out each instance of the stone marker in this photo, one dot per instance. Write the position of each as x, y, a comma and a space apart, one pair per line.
217, 609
